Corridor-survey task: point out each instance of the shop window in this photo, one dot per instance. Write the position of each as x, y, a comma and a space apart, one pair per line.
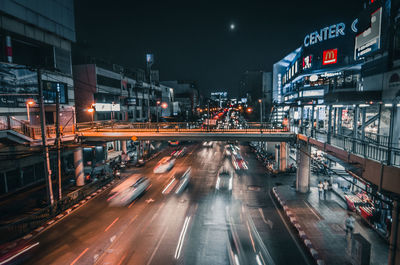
39, 171
2, 184
396, 46
29, 175
13, 179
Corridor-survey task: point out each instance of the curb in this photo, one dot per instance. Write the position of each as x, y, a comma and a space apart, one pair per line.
300, 232
8, 247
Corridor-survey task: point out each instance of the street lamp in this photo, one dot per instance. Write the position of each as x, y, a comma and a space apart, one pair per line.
157, 109
91, 111
29, 102
249, 110
261, 118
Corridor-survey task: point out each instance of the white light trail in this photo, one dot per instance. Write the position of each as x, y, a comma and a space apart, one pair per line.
182, 237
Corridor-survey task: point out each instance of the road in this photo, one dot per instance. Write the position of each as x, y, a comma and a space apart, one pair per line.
198, 226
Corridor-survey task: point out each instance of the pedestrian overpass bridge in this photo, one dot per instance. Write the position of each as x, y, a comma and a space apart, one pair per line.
181, 132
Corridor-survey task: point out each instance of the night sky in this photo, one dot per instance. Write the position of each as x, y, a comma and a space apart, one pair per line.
192, 40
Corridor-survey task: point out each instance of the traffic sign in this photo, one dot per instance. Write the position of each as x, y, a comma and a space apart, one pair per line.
134, 138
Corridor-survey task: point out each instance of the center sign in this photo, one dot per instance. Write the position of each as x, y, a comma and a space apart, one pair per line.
326, 33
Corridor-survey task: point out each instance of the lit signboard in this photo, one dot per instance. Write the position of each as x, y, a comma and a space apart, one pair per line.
107, 107
329, 57
369, 40
326, 33
313, 93
307, 62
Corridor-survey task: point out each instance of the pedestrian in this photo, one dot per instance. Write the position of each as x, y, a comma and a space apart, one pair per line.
350, 225
326, 185
320, 189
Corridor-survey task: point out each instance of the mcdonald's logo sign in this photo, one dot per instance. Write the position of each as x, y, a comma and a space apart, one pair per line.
329, 57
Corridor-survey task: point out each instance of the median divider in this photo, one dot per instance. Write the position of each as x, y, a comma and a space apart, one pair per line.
300, 232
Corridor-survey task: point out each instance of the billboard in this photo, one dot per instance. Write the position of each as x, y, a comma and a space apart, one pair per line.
370, 39
50, 90
17, 84
307, 62
329, 57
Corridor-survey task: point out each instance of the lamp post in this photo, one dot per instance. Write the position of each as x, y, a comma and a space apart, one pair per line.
158, 105
29, 102
91, 111
261, 117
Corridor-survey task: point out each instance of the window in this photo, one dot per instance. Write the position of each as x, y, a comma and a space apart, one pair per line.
107, 81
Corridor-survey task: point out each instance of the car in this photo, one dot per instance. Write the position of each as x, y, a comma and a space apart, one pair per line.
173, 143
164, 165
208, 144
140, 162
179, 152
184, 180
238, 162
128, 191
224, 181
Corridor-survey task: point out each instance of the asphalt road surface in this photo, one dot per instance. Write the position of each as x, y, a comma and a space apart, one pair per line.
201, 225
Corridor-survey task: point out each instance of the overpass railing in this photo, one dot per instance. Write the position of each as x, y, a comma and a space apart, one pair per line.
379, 151
176, 127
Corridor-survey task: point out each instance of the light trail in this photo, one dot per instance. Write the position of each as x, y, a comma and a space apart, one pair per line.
182, 237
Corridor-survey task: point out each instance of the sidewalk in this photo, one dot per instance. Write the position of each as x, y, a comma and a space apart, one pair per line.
323, 224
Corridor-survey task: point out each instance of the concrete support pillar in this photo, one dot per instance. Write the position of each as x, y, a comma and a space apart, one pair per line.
334, 121
394, 132
78, 164
355, 121
277, 157
303, 167
312, 120
329, 131
301, 118
283, 156
364, 117
394, 251
339, 125
123, 147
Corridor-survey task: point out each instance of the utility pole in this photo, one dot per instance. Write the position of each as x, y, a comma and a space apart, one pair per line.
58, 142
47, 170
208, 115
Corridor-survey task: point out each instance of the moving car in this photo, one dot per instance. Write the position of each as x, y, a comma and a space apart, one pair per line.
128, 191
224, 181
238, 162
208, 144
164, 165
173, 143
184, 180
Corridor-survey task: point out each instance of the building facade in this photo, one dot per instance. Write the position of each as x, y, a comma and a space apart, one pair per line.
35, 45
256, 87
187, 95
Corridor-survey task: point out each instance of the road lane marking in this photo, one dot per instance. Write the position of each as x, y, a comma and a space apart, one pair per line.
251, 237
182, 237
267, 221
153, 217
130, 205
150, 200
120, 262
133, 219
80, 255
157, 246
108, 227
166, 188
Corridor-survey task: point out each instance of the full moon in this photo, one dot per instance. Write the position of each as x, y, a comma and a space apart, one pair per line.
232, 26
